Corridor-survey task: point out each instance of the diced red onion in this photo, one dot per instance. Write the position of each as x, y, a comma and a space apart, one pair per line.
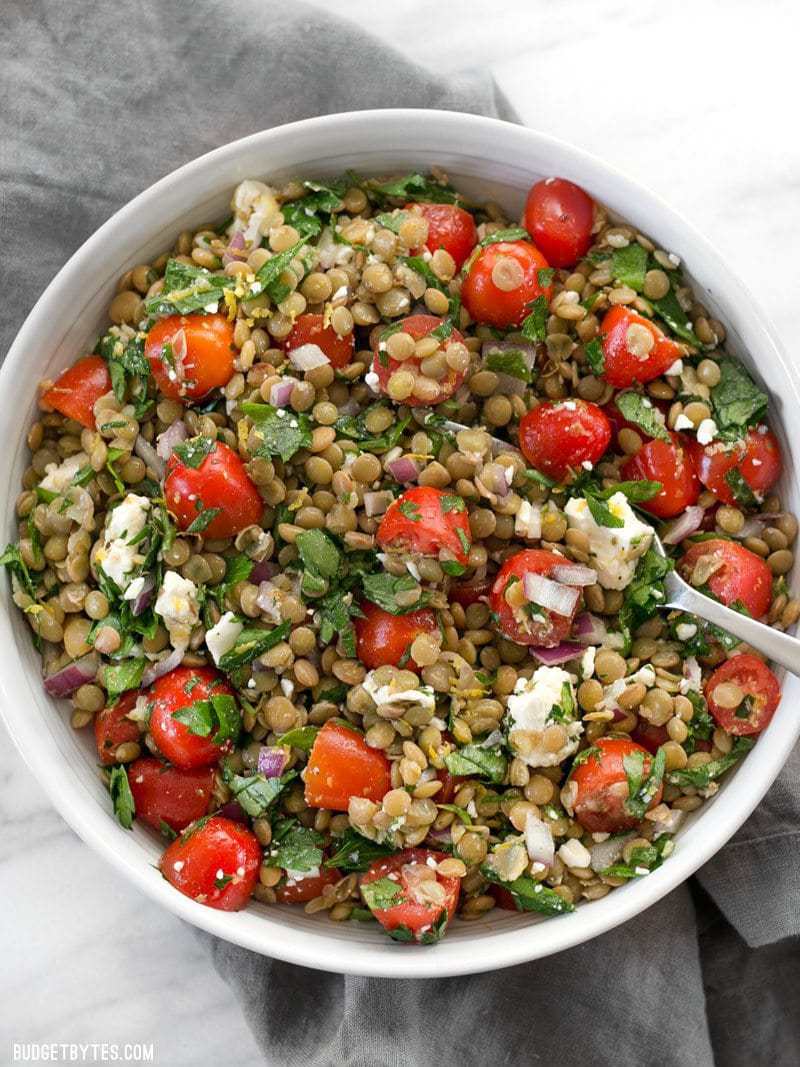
73, 676
693, 673
508, 385
376, 503
574, 574
272, 761
233, 811
268, 599
403, 470
235, 252
605, 853
562, 653
144, 597
589, 629
281, 392
492, 739
685, 525
308, 357
145, 451
539, 841
560, 599
163, 666
439, 837
350, 407
173, 435
263, 571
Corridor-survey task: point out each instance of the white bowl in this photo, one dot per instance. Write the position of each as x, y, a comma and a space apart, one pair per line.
485, 157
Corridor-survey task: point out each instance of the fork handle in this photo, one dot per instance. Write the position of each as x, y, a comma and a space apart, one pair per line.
777, 646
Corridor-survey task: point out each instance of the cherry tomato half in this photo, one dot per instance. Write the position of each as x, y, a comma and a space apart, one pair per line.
449, 227
741, 576
190, 354
215, 862
309, 330
757, 458
292, 891
425, 391
220, 482
414, 911
625, 359
544, 629
164, 794
559, 217
113, 728
558, 436
429, 522
515, 265
602, 786
173, 692
670, 463
76, 390
342, 765
471, 592
383, 638
761, 689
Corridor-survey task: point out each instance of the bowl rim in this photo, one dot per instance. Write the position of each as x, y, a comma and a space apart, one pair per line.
316, 949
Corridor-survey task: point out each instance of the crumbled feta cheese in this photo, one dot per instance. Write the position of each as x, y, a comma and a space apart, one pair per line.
117, 556
706, 431
685, 631
287, 687
177, 605
682, 423
587, 464
587, 662
372, 381
675, 368
386, 694
574, 854
299, 876
134, 589
58, 476
528, 520
528, 715
222, 637
613, 551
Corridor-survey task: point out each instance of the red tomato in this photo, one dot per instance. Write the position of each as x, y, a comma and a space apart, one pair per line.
163, 794
622, 367
486, 301
215, 862
602, 786
671, 464
649, 736
757, 457
449, 227
557, 436
418, 326
382, 638
199, 357
76, 389
308, 330
451, 783
559, 217
516, 623
179, 689
429, 522
219, 482
112, 728
742, 577
409, 869
294, 892
471, 592
342, 765
762, 692
503, 898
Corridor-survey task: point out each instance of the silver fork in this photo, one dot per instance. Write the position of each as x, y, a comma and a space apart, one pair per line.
780, 647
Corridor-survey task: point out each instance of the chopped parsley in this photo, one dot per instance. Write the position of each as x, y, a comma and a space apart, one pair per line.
736, 400
121, 796
488, 763
278, 432
294, 847
640, 410
629, 266
252, 642
642, 787
510, 361
701, 777
382, 589
534, 325
356, 853
530, 895
191, 453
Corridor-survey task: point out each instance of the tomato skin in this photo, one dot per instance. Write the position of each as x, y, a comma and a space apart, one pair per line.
670, 463
471, 592
502, 897
622, 367
220, 481
743, 577
488, 304
432, 528
757, 457
559, 217
208, 363
308, 888
603, 787
451, 783
112, 728
757, 681
649, 736
173, 739
383, 638
557, 436
76, 389
165, 794
342, 765
449, 227
417, 917
539, 633
199, 853
309, 330
418, 326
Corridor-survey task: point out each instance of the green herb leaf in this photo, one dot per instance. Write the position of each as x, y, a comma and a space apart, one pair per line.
15, 564
303, 738
595, 357
461, 813
669, 309
410, 510
123, 676
357, 853
252, 642
640, 410
281, 433
700, 777
453, 503
514, 233
308, 214
629, 266
530, 895
268, 276
742, 493
121, 797
319, 553
534, 325
382, 893
187, 289
635, 492
191, 453
125, 358
382, 589
642, 788
487, 763
294, 847
204, 519
736, 399
509, 361
335, 614
354, 427
602, 514
256, 794
414, 188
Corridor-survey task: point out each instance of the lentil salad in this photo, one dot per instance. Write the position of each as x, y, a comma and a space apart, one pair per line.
356, 661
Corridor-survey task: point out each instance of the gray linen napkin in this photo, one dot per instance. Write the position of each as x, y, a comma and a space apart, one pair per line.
99, 101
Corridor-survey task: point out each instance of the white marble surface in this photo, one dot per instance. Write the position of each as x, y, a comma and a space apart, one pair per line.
694, 100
